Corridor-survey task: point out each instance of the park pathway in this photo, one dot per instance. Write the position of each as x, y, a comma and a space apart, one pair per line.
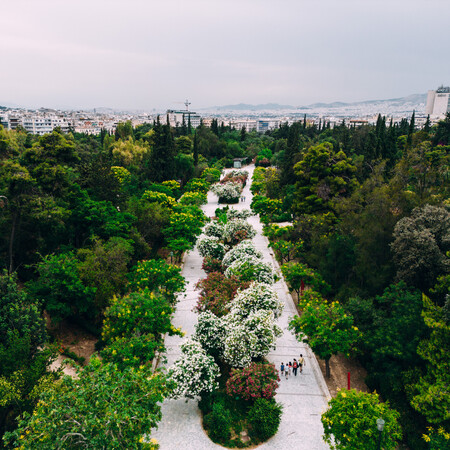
304, 397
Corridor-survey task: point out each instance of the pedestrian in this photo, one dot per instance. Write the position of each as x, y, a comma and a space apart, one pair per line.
286, 372
282, 369
301, 363
290, 367
294, 367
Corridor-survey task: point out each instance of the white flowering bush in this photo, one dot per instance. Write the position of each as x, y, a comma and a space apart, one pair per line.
238, 230
195, 373
211, 246
259, 296
238, 173
238, 214
215, 229
252, 269
210, 332
227, 192
242, 250
249, 338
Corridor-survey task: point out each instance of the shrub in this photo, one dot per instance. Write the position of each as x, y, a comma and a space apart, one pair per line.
252, 269
193, 198
259, 380
210, 332
197, 185
159, 197
237, 230
228, 192
210, 246
218, 423
217, 291
212, 265
214, 229
238, 214
211, 174
264, 418
195, 373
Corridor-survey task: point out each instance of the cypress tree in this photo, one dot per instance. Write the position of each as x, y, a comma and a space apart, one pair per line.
243, 134
196, 148
411, 129
189, 125
304, 122
427, 125
293, 148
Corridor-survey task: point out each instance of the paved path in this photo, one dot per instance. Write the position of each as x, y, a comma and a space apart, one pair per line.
304, 397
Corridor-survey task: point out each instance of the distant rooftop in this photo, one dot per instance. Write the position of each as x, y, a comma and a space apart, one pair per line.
443, 90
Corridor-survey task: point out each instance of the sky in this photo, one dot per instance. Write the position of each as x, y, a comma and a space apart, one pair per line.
148, 54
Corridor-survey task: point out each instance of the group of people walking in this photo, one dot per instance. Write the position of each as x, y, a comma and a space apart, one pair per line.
292, 367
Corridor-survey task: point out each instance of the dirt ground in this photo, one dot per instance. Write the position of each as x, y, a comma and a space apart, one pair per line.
74, 339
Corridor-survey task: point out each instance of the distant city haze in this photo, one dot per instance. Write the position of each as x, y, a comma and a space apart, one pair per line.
147, 54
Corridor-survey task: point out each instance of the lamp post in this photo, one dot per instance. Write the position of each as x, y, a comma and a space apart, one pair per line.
380, 427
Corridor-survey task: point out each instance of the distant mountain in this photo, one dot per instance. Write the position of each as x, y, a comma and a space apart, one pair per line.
414, 99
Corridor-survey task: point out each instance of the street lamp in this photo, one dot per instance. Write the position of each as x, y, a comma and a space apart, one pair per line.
380, 427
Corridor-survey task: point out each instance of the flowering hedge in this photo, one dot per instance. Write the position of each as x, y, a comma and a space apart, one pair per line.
212, 265
252, 269
195, 373
238, 214
249, 338
216, 292
215, 229
259, 296
243, 249
211, 246
228, 192
258, 380
210, 332
237, 230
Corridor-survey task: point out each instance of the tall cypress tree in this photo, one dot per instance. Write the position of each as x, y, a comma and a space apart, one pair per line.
293, 148
411, 129
195, 149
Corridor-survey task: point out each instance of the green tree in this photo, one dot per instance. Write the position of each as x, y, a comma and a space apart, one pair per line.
296, 273
420, 245
101, 408
326, 327
350, 422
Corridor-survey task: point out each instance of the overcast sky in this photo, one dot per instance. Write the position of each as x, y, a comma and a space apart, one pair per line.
151, 54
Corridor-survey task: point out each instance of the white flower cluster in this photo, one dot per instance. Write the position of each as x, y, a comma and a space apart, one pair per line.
242, 250
259, 296
210, 332
211, 246
249, 338
195, 372
238, 173
214, 228
234, 226
238, 214
227, 192
263, 272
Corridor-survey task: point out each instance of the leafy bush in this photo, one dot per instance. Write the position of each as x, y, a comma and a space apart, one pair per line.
158, 276
214, 229
237, 230
228, 192
197, 185
210, 332
259, 380
218, 423
211, 174
264, 418
193, 198
159, 197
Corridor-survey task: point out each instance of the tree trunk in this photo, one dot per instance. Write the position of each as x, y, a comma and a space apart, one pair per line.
327, 368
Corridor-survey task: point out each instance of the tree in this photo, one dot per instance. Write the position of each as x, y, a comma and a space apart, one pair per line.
102, 407
326, 327
430, 394
61, 290
350, 422
298, 275
420, 245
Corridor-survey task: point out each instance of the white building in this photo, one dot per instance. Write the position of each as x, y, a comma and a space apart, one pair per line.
176, 118
264, 125
438, 102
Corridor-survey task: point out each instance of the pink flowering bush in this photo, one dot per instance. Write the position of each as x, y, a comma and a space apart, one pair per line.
258, 380
211, 264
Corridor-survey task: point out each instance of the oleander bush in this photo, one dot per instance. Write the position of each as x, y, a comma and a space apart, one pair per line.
252, 269
210, 246
258, 380
244, 248
237, 230
212, 265
215, 229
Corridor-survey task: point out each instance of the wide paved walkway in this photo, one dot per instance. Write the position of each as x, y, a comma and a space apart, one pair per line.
304, 397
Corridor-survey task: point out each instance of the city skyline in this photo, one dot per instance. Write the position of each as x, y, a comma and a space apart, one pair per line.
152, 55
